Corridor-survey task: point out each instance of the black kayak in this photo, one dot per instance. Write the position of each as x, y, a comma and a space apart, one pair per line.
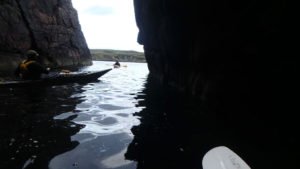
58, 78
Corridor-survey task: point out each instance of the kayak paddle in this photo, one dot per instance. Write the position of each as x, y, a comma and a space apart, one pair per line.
223, 158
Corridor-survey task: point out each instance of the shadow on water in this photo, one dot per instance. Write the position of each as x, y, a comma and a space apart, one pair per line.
176, 131
88, 127
30, 136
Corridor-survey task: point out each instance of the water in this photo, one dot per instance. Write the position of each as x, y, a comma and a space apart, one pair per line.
74, 125
128, 121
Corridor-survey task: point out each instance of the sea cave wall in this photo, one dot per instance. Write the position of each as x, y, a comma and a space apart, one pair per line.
232, 55
50, 27
189, 42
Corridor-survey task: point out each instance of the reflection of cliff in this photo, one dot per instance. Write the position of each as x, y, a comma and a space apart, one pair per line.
51, 27
30, 136
176, 131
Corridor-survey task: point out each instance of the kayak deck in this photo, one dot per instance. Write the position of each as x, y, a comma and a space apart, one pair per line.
58, 78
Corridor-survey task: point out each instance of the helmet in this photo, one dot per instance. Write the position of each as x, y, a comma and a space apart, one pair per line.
32, 54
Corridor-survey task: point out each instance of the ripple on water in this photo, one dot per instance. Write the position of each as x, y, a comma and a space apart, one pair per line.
106, 121
109, 104
84, 106
98, 116
106, 111
122, 114
111, 107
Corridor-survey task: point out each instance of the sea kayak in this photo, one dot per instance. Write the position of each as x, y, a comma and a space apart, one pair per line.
58, 78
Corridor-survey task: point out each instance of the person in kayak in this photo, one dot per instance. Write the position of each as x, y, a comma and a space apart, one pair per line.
31, 69
117, 64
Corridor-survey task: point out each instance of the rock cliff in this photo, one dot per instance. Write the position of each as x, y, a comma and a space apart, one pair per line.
235, 60
51, 27
225, 52
188, 43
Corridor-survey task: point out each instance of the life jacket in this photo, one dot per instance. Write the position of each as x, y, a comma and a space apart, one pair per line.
23, 67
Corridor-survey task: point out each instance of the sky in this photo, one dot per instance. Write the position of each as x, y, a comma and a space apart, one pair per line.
108, 24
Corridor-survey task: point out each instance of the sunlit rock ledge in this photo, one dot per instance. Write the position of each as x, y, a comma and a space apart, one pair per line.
51, 27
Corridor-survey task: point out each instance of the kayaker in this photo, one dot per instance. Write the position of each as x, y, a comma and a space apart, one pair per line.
31, 69
117, 64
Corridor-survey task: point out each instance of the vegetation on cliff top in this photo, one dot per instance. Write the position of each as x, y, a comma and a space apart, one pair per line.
121, 55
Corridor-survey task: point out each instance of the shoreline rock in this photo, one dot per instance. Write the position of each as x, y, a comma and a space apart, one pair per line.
120, 55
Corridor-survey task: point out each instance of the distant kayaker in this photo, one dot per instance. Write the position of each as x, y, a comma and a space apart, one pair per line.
31, 69
117, 64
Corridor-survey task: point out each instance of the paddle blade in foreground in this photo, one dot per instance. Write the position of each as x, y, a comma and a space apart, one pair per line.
223, 158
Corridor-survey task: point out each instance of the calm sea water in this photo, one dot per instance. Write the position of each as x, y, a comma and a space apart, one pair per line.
74, 125
128, 121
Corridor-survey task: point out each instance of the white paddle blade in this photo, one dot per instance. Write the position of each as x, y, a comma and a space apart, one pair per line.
223, 158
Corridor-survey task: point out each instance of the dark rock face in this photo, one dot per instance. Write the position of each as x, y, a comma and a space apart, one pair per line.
188, 42
234, 56
50, 27
226, 52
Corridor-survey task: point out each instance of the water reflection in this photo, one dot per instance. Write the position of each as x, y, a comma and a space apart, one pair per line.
96, 152
72, 126
30, 136
176, 131
90, 126
167, 135
107, 114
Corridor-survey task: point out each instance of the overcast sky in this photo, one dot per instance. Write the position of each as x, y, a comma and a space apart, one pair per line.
108, 24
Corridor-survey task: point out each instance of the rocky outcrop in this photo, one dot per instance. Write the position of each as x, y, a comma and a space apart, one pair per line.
51, 27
